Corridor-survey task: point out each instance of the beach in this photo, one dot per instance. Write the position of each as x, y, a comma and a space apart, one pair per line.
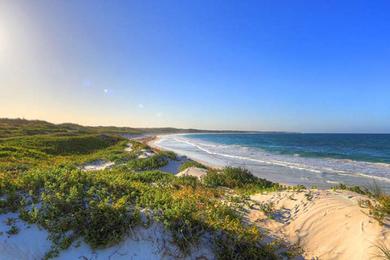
324, 223
116, 197
194, 130
293, 169
327, 224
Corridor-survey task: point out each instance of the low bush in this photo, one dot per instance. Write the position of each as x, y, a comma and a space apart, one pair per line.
237, 178
151, 176
168, 154
100, 209
356, 189
63, 145
151, 163
40, 178
103, 207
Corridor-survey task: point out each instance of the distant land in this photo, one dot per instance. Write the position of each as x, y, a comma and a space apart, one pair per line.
11, 127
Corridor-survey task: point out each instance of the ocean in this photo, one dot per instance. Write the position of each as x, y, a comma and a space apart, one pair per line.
322, 160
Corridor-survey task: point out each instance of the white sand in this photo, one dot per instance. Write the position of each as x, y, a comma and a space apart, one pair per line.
193, 171
129, 147
330, 225
145, 154
29, 243
151, 243
97, 165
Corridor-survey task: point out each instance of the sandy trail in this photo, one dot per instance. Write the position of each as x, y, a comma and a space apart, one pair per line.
326, 224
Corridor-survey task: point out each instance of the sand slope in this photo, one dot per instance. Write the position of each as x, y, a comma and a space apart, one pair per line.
326, 224
153, 242
193, 171
97, 165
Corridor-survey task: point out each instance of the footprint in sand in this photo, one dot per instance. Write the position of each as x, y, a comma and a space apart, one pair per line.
362, 229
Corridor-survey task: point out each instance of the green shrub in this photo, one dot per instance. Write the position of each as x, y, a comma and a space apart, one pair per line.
63, 145
154, 162
190, 181
237, 178
229, 246
214, 179
168, 154
108, 224
40, 179
137, 146
151, 176
85, 203
357, 189
103, 206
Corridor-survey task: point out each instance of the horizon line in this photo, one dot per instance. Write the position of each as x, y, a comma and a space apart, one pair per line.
211, 131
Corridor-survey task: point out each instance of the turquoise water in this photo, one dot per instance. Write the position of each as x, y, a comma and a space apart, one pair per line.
323, 160
360, 147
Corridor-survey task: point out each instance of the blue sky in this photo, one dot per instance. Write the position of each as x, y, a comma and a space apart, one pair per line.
312, 66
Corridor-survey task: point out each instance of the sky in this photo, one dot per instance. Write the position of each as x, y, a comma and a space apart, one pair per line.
307, 66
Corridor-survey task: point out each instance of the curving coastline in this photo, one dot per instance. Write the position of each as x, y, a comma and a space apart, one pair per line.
294, 170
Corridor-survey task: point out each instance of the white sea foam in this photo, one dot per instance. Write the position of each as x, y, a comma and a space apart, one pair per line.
334, 169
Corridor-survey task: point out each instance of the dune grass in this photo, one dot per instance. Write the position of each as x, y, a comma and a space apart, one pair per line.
22, 127
239, 179
103, 206
62, 145
42, 180
379, 205
22, 153
383, 251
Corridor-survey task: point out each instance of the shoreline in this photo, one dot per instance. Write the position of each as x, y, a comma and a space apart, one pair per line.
153, 139
323, 173
325, 223
309, 223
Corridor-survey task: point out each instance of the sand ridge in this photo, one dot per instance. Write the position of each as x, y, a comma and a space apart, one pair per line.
327, 224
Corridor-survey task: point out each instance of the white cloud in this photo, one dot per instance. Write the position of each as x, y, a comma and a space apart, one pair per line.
105, 91
159, 114
140, 106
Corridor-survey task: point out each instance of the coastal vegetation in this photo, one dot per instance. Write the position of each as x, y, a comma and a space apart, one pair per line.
378, 202
191, 163
43, 180
239, 179
102, 207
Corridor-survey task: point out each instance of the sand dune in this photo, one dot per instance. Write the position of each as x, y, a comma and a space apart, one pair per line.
193, 171
153, 242
129, 147
326, 224
97, 165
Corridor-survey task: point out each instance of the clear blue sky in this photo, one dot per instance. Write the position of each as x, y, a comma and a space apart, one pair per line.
313, 66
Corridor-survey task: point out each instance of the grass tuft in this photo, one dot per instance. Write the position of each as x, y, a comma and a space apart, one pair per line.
379, 208
239, 179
